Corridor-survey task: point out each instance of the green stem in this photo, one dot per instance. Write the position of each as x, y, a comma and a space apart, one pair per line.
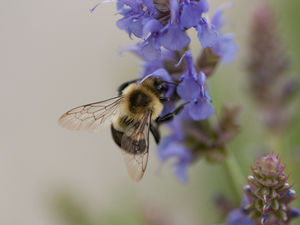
235, 177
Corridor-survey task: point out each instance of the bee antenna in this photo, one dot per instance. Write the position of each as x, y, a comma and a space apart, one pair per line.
143, 79
173, 83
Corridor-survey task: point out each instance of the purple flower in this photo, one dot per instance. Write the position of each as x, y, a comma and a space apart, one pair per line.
173, 147
182, 155
200, 109
237, 217
192, 89
164, 24
207, 35
174, 39
224, 47
191, 14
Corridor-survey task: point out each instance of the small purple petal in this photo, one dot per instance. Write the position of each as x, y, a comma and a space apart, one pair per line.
202, 78
136, 27
174, 39
237, 217
294, 213
180, 169
151, 26
190, 64
188, 89
208, 98
204, 5
120, 5
168, 55
176, 127
226, 48
168, 107
135, 5
191, 14
175, 149
150, 66
150, 6
206, 35
163, 74
100, 3
150, 51
174, 8
217, 20
123, 23
200, 110
201, 82
163, 145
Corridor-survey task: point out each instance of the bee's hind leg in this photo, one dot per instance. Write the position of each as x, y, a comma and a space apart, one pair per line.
155, 132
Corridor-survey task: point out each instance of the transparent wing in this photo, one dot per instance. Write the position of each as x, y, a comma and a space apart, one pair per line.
91, 117
135, 147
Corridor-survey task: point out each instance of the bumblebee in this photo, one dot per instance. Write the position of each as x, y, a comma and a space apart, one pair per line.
133, 114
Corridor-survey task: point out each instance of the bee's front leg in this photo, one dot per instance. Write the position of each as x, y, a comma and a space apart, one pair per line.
169, 116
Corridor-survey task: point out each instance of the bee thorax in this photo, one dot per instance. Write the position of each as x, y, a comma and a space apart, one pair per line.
139, 102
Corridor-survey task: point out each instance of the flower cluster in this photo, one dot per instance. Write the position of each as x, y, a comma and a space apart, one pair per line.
190, 140
268, 63
161, 27
269, 194
162, 23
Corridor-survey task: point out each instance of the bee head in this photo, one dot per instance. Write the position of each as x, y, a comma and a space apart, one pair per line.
160, 85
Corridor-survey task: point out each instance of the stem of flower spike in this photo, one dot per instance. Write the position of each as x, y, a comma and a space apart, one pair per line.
236, 179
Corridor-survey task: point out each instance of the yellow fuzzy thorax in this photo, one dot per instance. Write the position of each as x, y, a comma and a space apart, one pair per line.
156, 106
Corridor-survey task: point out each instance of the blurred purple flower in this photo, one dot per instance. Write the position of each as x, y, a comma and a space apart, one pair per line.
237, 217
207, 35
173, 147
225, 46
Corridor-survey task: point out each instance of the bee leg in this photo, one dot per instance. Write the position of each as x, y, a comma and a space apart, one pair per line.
169, 116
124, 85
163, 99
155, 132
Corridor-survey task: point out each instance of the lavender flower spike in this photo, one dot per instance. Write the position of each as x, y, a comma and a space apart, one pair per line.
269, 194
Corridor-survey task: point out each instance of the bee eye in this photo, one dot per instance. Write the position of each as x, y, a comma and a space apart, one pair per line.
159, 87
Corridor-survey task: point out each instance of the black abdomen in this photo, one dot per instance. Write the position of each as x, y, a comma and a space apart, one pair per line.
127, 143
117, 135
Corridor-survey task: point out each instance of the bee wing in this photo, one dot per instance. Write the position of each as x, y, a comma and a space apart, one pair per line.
91, 117
135, 147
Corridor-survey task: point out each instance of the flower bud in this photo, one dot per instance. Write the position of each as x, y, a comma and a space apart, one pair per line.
268, 193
